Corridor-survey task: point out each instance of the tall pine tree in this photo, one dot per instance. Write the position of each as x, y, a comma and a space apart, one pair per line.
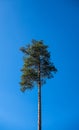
37, 68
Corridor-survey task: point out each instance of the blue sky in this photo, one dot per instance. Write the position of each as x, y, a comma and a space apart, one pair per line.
57, 23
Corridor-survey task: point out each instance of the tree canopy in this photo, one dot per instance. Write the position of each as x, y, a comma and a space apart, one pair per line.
36, 60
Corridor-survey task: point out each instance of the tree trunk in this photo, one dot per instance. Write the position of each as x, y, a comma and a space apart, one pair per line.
39, 106
39, 98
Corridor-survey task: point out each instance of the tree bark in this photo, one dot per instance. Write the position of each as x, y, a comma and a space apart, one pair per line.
39, 100
39, 107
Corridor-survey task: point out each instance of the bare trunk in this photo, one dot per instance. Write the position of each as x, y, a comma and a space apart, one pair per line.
39, 107
39, 100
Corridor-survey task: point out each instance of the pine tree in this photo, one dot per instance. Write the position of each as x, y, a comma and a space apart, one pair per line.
37, 68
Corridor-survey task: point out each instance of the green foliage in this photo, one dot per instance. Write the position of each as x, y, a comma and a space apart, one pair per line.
36, 61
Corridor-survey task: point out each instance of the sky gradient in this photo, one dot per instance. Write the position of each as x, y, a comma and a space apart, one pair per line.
57, 23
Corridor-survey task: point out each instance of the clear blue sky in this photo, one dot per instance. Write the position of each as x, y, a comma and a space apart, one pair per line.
57, 23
